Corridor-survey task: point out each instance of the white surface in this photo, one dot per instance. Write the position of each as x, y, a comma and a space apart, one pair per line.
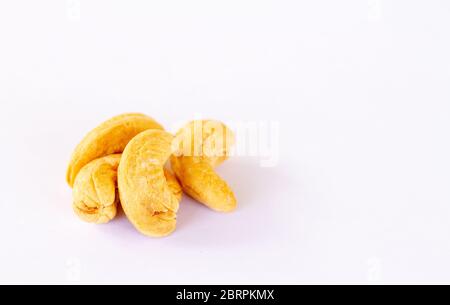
360, 89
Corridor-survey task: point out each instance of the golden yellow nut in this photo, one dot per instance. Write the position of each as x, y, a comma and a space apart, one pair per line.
198, 148
95, 195
108, 138
145, 192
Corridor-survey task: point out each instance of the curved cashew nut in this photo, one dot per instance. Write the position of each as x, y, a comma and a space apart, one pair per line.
95, 195
199, 147
110, 137
145, 192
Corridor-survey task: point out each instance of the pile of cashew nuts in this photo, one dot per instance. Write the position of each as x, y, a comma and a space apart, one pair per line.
131, 161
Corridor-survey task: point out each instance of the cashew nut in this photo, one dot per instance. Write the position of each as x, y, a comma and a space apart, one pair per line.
110, 137
95, 195
199, 147
145, 192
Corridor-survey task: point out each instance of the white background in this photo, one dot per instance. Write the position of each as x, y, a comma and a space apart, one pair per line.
361, 90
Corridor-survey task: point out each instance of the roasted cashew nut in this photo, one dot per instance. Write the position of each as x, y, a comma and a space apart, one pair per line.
110, 137
145, 192
198, 148
95, 196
